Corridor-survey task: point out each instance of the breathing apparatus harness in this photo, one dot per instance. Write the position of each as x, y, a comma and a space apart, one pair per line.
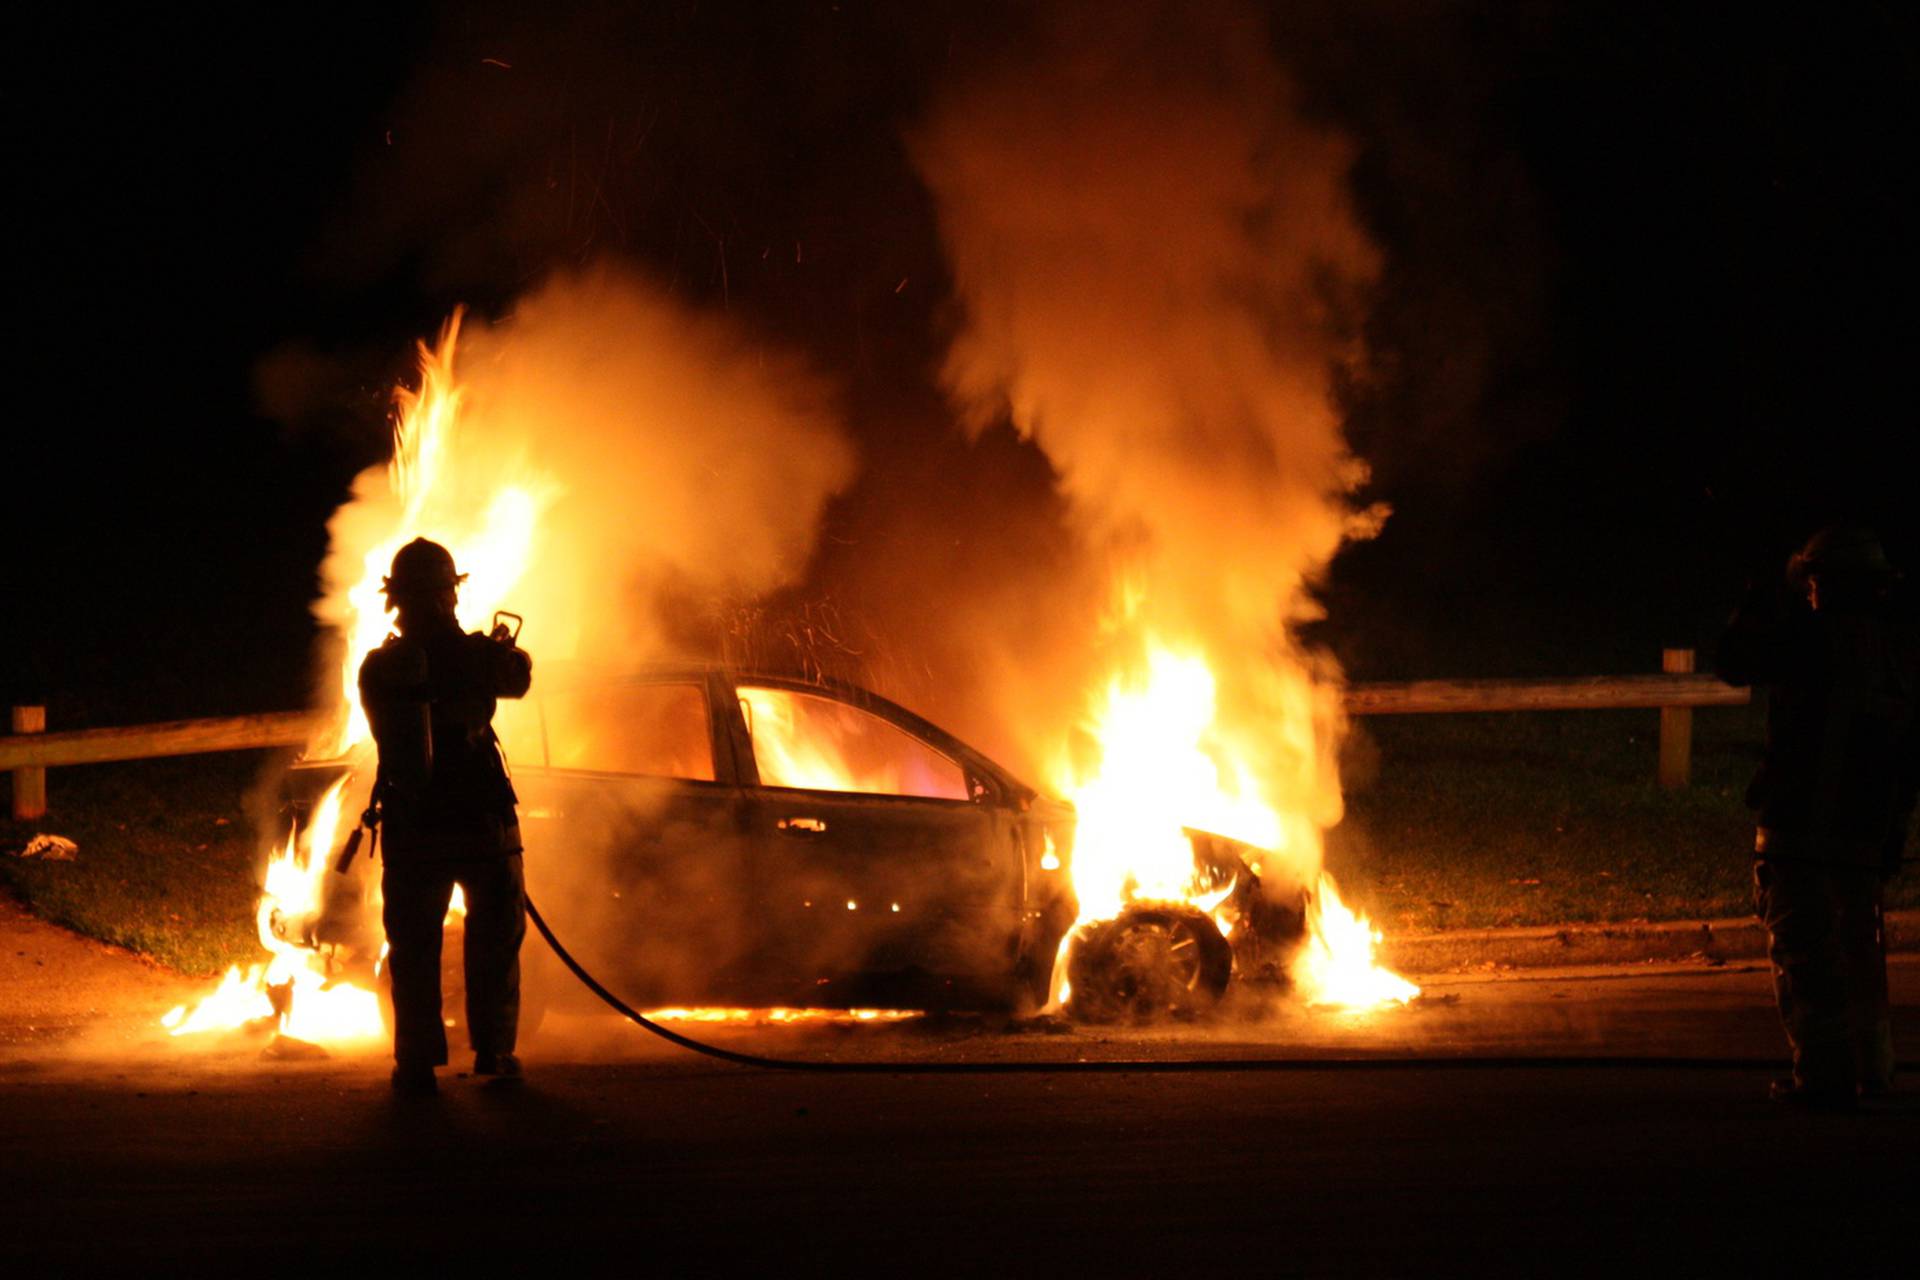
369, 827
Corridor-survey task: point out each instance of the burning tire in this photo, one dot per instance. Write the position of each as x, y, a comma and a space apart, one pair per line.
1148, 963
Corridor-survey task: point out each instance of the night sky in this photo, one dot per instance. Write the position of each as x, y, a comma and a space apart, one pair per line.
1646, 317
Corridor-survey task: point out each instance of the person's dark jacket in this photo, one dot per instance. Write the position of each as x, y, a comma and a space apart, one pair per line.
1842, 765
464, 805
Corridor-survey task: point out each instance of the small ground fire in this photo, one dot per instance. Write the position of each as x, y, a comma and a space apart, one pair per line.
419, 491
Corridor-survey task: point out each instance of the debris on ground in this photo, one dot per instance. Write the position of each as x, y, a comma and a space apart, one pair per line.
1046, 1024
50, 848
1432, 1000
286, 1048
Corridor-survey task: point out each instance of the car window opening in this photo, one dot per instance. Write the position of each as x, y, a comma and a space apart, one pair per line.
818, 744
654, 730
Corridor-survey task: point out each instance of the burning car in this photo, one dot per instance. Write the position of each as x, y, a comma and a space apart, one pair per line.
704, 836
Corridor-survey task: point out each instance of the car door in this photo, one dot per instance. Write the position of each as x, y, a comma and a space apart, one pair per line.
878, 854
635, 835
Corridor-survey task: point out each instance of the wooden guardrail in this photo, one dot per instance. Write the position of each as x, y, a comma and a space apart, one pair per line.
31, 751
31, 748
1676, 692
1593, 693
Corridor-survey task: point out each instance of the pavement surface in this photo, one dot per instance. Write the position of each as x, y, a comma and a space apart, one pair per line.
1635, 942
1391, 1143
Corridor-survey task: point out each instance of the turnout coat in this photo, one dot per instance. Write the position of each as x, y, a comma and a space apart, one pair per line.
443, 787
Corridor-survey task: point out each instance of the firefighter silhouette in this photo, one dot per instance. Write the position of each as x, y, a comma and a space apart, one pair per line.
447, 816
1835, 644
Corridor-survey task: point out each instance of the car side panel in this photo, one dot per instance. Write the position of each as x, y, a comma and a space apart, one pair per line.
646, 880
887, 894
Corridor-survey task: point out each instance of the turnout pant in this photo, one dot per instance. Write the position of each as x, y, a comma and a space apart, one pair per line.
417, 895
1827, 943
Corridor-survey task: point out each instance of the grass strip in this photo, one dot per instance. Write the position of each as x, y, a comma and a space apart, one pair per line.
1477, 821
169, 861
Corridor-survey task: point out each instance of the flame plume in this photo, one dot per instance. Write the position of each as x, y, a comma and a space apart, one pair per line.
1158, 275
1167, 763
421, 491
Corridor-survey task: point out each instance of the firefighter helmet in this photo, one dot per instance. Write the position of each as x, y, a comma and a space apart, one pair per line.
420, 567
1845, 549
1842, 553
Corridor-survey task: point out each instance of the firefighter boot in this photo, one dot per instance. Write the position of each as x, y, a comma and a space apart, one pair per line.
414, 1080
504, 1068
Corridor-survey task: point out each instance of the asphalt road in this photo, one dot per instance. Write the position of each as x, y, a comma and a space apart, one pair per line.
620, 1154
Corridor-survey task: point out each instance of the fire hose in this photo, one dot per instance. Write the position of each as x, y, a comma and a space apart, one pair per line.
1148, 1065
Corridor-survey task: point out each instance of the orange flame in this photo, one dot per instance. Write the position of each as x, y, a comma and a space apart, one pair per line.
796, 758
1168, 763
424, 494
1336, 968
800, 740
313, 1005
490, 526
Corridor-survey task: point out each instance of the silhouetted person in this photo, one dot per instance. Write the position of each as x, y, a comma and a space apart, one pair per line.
1835, 645
447, 815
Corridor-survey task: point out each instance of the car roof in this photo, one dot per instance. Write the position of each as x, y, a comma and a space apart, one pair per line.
842, 690
567, 675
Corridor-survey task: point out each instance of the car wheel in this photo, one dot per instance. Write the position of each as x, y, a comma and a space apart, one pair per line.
1149, 962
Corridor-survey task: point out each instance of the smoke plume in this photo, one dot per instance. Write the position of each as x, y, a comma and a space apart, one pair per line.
666, 454
1158, 270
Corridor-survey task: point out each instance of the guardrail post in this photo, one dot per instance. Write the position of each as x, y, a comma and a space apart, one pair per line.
1676, 726
29, 784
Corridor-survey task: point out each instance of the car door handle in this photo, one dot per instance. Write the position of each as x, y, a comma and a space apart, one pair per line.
803, 826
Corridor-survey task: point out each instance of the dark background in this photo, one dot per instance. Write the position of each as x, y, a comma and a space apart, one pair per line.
1645, 320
